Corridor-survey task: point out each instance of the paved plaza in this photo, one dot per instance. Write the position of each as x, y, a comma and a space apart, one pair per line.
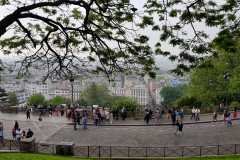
130, 132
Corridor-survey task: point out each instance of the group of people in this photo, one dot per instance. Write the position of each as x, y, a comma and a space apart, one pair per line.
18, 134
102, 115
195, 113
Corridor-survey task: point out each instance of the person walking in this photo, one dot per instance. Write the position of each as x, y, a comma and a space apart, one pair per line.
215, 116
28, 114
40, 121
177, 127
84, 119
180, 127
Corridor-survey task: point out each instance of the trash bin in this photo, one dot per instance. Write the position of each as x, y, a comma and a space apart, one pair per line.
28, 144
65, 148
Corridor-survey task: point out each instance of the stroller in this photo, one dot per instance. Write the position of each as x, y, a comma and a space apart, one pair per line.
228, 121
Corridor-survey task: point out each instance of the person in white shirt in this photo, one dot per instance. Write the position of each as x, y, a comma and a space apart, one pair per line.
197, 114
193, 113
18, 134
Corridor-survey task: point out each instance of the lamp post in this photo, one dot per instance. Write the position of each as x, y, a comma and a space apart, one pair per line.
71, 82
74, 116
227, 77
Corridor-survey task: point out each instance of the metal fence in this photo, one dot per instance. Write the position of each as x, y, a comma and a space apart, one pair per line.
125, 152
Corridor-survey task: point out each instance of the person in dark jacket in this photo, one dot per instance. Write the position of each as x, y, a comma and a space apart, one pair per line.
147, 116
16, 125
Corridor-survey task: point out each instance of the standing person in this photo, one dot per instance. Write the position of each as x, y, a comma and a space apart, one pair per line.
40, 121
1, 131
235, 112
123, 113
116, 112
169, 113
107, 115
177, 128
197, 118
14, 134
16, 125
78, 117
95, 116
18, 134
150, 114
29, 133
57, 110
84, 119
111, 118
193, 113
180, 127
215, 116
162, 114
158, 115
28, 114
147, 116
173, 117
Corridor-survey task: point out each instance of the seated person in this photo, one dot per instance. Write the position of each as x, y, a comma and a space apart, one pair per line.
228, 121
29, 133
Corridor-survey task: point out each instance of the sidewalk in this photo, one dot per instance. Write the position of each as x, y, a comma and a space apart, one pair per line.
129, 121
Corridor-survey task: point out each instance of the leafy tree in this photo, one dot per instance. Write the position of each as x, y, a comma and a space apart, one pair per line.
3, 97
36, 99
171, 94
185, 24
129, 103
96, 94
66, 37
211, 85
58, 100
12, 97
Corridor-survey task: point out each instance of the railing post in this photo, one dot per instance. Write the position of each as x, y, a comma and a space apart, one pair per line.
235, 147
218, 149
164, 152
182, 151
88, 151
128, 151
200, 151
99, 151
146, 152
11, 145
110, 152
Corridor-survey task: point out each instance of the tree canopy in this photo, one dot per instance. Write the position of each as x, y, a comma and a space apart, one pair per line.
221, 81
36, 99
96, 94
58, 100
171, 94
69, 37
184, 24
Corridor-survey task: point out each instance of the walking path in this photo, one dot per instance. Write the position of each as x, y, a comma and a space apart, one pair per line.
129, 132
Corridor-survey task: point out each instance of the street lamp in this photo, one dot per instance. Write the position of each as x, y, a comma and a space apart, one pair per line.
71, 82
73, 110
227, 77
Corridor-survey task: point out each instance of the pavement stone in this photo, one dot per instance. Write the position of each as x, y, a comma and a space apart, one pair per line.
130, 132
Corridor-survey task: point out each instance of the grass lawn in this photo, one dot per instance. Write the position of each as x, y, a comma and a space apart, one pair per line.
28, 156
